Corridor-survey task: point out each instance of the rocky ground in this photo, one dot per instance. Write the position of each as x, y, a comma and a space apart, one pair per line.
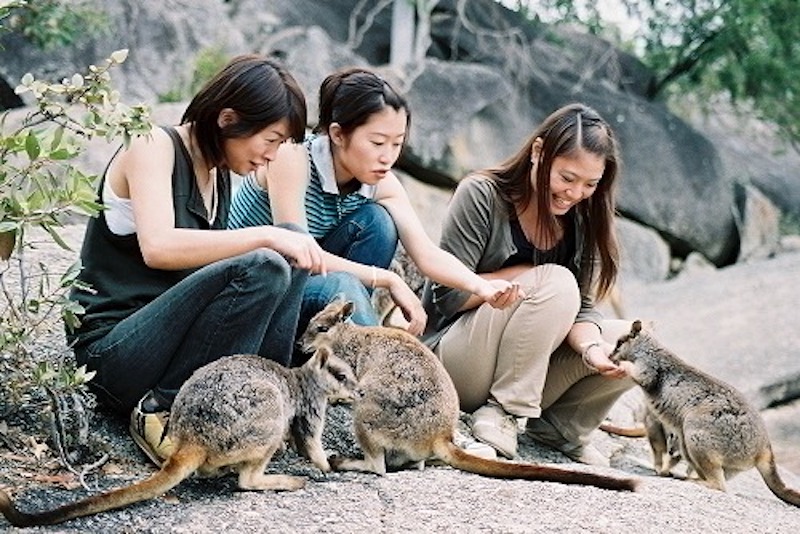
697, 316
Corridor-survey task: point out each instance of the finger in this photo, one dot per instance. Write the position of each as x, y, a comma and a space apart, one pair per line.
321, 266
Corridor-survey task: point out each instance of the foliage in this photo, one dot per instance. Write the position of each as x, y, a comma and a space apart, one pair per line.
206, 64
789, 224
748, 50
52, 23
40, 185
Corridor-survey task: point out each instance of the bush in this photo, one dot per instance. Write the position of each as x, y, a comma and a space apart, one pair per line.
40, 188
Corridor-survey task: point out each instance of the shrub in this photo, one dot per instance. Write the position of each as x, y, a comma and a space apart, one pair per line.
40, 187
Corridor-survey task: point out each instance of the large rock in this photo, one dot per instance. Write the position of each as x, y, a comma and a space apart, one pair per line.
737, 323
164, 39
470, 113
644, 255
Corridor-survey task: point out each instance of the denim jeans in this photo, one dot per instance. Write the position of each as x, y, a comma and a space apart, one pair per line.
367, 236
245, 304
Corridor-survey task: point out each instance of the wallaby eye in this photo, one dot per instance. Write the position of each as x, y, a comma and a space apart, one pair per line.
322, 328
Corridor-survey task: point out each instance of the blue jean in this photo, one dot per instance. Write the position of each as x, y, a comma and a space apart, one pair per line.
245, 304
367, 236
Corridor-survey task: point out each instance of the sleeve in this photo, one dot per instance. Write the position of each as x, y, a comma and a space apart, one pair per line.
587, 312
465, 233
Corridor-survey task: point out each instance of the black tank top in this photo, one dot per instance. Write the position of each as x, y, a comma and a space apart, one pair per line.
113, 265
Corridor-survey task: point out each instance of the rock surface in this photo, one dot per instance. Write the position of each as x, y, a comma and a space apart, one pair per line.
730, 322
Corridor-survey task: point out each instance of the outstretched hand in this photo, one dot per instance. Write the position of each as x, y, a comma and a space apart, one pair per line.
597, 357
500, 293
409, 304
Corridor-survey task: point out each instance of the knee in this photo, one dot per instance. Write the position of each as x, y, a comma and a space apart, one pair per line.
374, 220
379, 219
346, 285
267, 267
553, 284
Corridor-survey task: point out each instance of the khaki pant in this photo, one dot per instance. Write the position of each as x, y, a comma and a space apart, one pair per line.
518, 358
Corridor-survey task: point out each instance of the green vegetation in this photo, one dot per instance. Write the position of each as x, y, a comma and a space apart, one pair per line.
747, 50
206, 64
52, 23
40, 186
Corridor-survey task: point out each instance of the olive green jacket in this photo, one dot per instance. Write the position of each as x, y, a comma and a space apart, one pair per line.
477, 231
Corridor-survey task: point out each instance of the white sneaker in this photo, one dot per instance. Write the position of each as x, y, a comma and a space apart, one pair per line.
585, 454
493, 426
474, 447
589, 455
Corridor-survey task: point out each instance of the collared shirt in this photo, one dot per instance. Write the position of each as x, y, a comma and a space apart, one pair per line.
325, 205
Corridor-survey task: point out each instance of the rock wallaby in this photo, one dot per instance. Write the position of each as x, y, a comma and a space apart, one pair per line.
406, 410
664, 444
719, 433
234, 412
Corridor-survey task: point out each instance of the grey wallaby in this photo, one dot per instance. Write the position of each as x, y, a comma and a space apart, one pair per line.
234, 412
719, 433
407, 409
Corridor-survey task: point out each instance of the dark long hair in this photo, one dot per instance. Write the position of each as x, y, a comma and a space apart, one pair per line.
350, 96
259, 90
569, 129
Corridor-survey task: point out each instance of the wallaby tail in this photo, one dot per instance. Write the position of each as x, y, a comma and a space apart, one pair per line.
178, 467
627, 432
448, 452
769, 472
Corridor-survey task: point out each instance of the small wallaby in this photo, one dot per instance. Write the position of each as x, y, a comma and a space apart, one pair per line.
406, 411
664, 444
234, 412
719, 433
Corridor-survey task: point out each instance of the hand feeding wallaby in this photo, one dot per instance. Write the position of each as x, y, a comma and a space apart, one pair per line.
234, 412
719, 432
407, 407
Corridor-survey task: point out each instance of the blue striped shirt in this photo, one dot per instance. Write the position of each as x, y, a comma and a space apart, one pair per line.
325, 206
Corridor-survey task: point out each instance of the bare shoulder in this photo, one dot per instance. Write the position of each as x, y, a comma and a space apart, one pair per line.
290, 165
390, 188
155, 147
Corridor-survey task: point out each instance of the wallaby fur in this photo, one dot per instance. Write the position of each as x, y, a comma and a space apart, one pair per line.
406, 410
719, 433
234, 412
664, 444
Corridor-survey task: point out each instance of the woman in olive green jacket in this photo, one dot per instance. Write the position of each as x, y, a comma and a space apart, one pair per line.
543, 219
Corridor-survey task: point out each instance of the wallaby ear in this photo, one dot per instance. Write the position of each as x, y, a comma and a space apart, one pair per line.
347, 310
321, 356
636, 328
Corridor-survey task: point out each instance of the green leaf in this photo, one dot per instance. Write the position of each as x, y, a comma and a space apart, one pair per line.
58, 135
56, 237
32, 145
61, 154
8, 226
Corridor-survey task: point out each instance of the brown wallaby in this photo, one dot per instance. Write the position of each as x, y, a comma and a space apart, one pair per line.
719, 433
406, 411
664, 444
234, 412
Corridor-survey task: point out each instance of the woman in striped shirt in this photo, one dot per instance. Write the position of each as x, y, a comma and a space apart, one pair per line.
339, 185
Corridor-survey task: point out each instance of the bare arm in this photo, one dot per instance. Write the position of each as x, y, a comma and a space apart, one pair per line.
286, 180
432, 261
147, 170
506, 273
